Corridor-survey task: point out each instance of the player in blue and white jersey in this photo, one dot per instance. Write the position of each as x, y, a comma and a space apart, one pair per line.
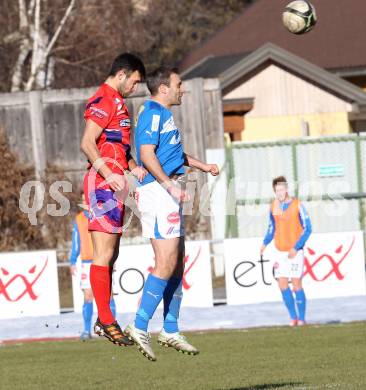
159, 199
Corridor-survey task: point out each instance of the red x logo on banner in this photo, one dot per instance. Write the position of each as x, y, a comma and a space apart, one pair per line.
335, 261
28, 284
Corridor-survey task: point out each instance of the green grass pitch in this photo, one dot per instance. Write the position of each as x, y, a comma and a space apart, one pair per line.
312, 357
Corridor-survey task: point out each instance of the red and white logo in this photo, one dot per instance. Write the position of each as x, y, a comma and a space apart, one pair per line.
173, 218
328, 262
26, 282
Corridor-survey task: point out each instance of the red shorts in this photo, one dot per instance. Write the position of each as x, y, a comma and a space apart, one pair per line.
106, 210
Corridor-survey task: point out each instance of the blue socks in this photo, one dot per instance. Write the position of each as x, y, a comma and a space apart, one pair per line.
151, 297
87, 315
112, 305
289, 301
301, 304
172, 300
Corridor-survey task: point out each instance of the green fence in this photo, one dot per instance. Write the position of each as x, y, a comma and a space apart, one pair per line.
327, 174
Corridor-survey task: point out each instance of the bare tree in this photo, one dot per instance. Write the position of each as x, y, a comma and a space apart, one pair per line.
39, 51
35, 42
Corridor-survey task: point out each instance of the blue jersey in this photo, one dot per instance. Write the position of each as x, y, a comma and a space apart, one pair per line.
155, 126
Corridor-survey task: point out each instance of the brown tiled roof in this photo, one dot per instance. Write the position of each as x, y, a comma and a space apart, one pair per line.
337, 41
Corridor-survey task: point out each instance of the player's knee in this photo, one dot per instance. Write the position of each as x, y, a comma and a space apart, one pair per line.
283, 284
88, 295
297, 284
170, 268
104, 257
164, 269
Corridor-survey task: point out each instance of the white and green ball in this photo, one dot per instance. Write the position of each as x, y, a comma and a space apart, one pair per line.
299, 17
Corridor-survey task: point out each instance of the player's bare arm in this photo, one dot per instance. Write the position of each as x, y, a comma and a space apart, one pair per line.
263, 248
138, 171
89, 147
195, 163
151, 162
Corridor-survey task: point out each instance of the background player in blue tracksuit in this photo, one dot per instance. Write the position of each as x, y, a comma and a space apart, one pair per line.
82, 246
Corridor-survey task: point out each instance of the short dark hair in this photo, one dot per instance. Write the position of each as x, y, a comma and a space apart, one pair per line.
158, 77
279, 180
129, 63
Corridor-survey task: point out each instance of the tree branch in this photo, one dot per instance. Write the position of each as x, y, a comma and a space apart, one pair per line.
23, 21
69, 63
13, 37
38, 65
35, 54
24, 49
16, 79
31, 8
84, 60
60, 27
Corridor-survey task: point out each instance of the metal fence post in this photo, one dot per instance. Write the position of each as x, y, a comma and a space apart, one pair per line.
231, 220
360, 187
294, 167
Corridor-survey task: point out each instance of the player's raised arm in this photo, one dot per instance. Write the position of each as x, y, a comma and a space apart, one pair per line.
192, 162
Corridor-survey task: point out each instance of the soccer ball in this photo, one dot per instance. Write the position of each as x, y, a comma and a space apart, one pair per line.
299, 17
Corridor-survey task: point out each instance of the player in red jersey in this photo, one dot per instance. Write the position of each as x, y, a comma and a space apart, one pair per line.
106, 143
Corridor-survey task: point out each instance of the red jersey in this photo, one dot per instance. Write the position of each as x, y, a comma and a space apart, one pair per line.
107, 109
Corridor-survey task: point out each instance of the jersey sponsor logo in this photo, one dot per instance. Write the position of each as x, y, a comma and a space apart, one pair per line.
154, 125
98, 112
156, 296
173, 230
173, 217
175, 139
155, 122
125, 123
168, 126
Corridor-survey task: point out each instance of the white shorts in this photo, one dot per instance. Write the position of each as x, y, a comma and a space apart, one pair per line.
85, 275
161, 214
288, 268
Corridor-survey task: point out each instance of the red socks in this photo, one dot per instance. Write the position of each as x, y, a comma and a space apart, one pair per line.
100, 280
